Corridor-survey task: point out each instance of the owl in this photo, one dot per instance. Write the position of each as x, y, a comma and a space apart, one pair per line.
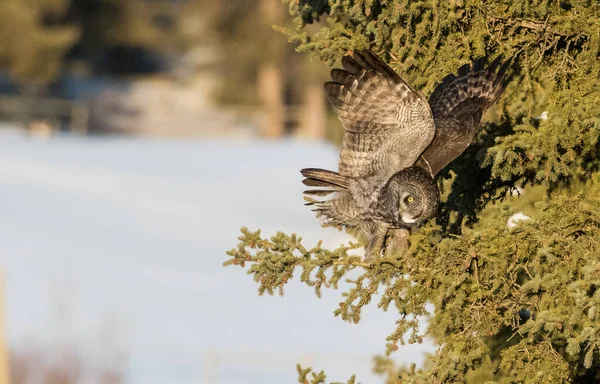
395, 142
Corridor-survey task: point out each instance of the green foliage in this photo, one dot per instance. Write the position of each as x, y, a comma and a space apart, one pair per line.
557, 45
479, 282
511, 305
317, 378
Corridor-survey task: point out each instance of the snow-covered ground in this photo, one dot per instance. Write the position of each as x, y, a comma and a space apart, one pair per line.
118, 243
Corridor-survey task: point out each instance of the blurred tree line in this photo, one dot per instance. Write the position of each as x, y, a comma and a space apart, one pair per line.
258, 67
41, 38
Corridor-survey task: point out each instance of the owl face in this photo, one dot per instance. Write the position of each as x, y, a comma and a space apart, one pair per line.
408, 199
410, 209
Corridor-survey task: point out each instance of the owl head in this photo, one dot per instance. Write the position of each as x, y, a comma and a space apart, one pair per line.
409, 198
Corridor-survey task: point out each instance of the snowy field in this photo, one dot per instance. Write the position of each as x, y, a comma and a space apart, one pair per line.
117, 244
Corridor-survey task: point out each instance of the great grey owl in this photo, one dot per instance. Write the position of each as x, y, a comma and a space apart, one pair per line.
395, 142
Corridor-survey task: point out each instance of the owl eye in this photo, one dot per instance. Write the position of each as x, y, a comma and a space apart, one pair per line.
410, 199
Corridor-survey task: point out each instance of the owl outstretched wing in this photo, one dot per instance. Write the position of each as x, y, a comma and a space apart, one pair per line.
387, 123
458, 103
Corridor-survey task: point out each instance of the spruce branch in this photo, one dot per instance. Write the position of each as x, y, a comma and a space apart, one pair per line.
317, 377
488, 281
509, 304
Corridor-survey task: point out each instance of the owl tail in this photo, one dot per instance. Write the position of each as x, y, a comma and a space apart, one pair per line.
334, 207
315, 177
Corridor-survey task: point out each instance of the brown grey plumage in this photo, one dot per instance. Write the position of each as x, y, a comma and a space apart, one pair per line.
458, 103
395, 142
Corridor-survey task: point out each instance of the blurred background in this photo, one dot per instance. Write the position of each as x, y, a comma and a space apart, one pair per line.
136, 138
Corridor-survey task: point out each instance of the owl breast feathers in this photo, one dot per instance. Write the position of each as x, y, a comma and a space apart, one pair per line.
395, 142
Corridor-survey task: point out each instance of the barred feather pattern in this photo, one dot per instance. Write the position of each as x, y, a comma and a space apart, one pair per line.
387, 123
458, 104
335, 201
338, 209
395, 142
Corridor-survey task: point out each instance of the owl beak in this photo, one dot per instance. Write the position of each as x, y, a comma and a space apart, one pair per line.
408, 219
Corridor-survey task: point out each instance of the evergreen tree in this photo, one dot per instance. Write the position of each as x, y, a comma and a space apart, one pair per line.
512, 304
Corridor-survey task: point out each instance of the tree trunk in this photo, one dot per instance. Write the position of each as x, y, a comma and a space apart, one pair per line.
314, 117
270, 80
271, 94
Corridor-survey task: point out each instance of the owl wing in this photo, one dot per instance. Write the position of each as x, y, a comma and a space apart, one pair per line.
458, 103
387, 123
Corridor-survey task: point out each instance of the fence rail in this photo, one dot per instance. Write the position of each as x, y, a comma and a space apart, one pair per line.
69, 114
114, 112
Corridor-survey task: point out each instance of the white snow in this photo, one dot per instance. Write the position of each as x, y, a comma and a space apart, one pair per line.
132, 233
514, 220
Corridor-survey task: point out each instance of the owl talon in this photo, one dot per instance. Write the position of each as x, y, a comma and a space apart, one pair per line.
398, 243
373, 249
